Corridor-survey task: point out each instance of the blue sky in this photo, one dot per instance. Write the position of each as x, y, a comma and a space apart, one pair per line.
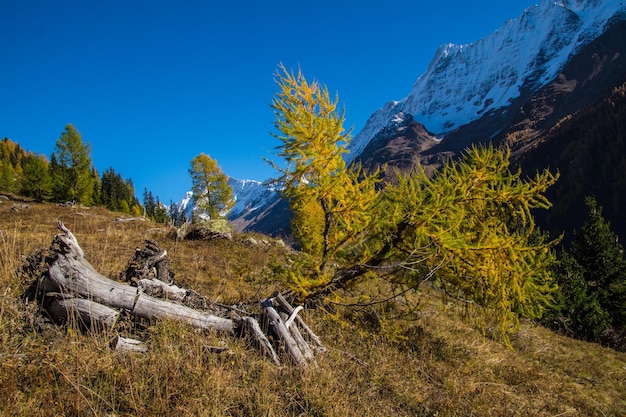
152, 84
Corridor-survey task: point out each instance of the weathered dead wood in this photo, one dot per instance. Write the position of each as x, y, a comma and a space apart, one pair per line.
97, 301
125, 344
159, 289
129, 219
297, 337
294, 314
76, 276
72, 273
280, 330
91, 314
262, 341
282, 301
154, 308
216, 349
151, 261
14, 355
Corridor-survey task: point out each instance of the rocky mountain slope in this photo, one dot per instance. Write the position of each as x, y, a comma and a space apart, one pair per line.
488, 78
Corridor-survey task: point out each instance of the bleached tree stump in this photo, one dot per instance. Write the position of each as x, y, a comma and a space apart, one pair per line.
72, 288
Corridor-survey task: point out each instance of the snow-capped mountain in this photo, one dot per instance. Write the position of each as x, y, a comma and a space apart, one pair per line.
466, 82
249, 195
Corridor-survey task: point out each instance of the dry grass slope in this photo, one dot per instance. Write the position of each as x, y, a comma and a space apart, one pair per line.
431, 364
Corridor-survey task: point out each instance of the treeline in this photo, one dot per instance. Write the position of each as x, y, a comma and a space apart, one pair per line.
69, 176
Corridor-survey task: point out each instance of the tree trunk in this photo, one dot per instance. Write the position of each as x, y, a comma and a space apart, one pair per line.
76, 276
89, 313
154, 308
280, 330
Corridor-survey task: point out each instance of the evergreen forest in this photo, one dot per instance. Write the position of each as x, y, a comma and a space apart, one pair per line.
69, 177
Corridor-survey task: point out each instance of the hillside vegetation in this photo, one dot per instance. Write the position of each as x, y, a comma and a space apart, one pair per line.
415, 356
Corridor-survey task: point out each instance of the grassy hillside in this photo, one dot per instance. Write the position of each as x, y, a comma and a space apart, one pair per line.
381, 361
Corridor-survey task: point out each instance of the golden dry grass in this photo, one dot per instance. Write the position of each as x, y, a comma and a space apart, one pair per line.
433, 364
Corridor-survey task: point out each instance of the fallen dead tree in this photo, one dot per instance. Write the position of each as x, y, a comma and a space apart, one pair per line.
67, 286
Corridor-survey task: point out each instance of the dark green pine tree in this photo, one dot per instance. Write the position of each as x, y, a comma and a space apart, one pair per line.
58, 175
155, 210
160, 212
176, 214
577, 309
592, 278
149, 203
95, 181
601, 254
118, 194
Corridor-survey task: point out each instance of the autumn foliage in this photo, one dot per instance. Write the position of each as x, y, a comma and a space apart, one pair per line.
469, 228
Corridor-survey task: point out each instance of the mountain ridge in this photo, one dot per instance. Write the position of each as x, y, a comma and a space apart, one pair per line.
492, 72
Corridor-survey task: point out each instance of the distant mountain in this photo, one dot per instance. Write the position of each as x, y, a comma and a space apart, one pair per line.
254, 201
482, 80
259, 208
558, 61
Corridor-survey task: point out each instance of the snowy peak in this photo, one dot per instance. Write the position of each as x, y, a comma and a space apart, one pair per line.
465, 82
250, 195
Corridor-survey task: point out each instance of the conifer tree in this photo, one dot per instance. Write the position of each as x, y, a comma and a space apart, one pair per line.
58, 175
176, 214
72, 168
330, 202
211, 192
118, 194
472, 224
96, 196
598, 250
36, 181
469, 227
577, 310
11, 155
160, 212
148, 203
7, 177
155, 210
592, 279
